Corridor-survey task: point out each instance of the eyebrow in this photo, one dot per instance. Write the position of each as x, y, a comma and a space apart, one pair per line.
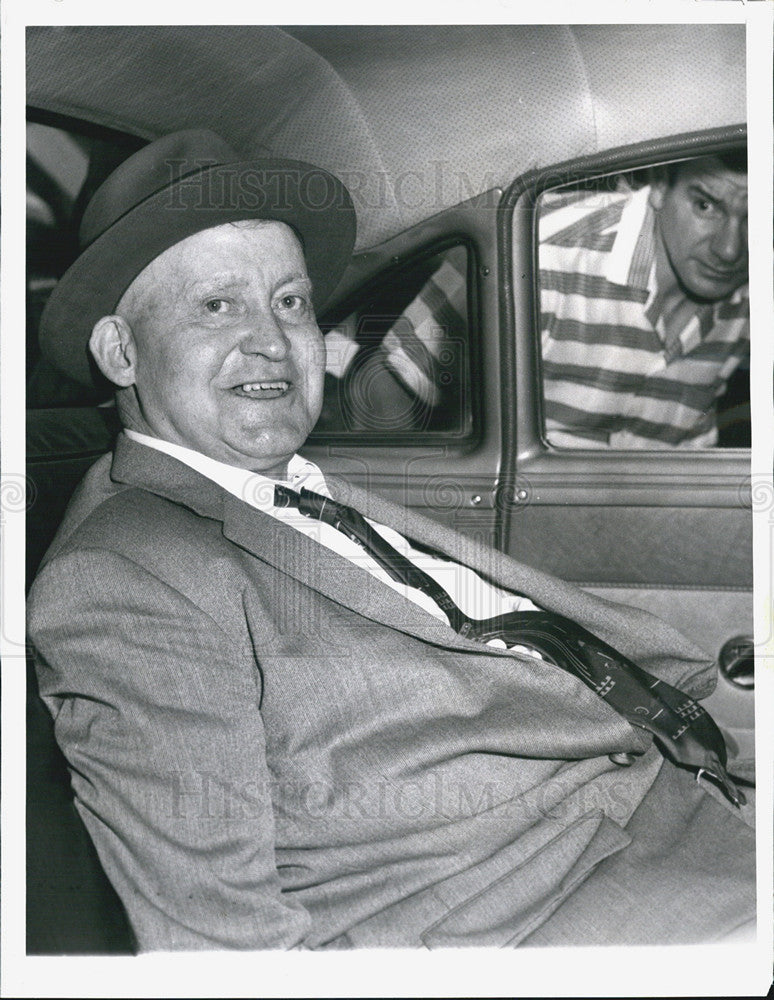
298, 276
727, 200
228, 279
696, 187
214, 281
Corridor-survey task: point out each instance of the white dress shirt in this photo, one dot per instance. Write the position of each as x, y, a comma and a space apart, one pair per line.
472, 594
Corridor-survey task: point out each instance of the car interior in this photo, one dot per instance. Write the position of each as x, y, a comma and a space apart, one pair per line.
433, 388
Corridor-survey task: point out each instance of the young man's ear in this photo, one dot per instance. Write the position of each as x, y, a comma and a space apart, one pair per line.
112, 345
659, 182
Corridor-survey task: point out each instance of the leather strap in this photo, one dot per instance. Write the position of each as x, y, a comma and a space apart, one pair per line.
683, 730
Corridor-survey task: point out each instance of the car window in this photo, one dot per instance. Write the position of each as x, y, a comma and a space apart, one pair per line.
643, 308
65, 165
398, 354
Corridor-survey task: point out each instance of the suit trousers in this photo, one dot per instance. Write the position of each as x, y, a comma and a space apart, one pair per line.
682, 836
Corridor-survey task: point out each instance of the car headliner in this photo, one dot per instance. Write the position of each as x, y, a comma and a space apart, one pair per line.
413, 118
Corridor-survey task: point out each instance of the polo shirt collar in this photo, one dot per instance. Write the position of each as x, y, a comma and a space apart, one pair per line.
632, 258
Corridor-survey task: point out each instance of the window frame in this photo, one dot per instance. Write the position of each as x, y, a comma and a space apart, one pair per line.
417, 438
659, 477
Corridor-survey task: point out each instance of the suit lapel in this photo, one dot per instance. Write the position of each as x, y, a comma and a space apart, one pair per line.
330, 574
278, 544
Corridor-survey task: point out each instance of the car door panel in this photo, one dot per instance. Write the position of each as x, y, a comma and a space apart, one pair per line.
666, 530
636, 545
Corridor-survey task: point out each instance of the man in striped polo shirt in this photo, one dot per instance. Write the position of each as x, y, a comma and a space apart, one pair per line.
644, 306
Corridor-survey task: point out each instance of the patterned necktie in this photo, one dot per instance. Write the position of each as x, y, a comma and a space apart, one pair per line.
684, 731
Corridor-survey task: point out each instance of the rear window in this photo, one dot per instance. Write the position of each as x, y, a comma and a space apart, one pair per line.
65, 166
399, 356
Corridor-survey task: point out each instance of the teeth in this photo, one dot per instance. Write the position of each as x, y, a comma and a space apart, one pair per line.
260, 386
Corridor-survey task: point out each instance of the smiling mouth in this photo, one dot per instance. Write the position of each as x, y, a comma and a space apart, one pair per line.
262, 390
719, 274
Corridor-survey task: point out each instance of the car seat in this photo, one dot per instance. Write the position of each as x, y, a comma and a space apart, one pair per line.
71, 906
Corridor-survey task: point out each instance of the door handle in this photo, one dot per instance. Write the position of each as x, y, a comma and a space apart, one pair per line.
737, 661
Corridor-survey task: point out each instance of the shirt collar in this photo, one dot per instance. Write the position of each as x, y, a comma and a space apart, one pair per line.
252, 487
632, 257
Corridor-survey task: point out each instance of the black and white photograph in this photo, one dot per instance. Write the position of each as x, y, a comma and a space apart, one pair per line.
388, 531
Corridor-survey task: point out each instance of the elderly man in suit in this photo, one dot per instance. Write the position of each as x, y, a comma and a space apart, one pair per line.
281, 737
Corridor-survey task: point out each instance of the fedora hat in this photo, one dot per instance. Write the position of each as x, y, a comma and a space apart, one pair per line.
170, 189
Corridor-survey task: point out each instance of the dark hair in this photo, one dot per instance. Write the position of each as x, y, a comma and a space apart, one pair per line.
731, 159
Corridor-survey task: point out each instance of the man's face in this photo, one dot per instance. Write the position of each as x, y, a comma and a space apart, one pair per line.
229, 359
702, 222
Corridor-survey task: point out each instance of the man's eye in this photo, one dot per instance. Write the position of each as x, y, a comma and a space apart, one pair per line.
704, 207
216, 306
293, 302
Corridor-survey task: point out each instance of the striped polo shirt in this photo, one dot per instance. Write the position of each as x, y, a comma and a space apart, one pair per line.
612, 376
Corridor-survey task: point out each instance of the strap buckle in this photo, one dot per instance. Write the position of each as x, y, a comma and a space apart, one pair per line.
720, 779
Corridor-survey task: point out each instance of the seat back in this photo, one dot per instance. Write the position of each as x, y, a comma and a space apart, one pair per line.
71, 906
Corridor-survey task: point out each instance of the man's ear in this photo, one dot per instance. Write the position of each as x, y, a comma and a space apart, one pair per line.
658, 187
112, 345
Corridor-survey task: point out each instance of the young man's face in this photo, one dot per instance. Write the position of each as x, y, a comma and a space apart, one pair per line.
701, 224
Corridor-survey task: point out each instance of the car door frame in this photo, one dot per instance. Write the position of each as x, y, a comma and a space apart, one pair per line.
703, 480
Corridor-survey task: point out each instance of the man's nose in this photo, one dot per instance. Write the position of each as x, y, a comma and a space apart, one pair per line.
264, 335
729, 243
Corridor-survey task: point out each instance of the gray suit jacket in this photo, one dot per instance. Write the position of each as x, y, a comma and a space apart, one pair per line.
270, 748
